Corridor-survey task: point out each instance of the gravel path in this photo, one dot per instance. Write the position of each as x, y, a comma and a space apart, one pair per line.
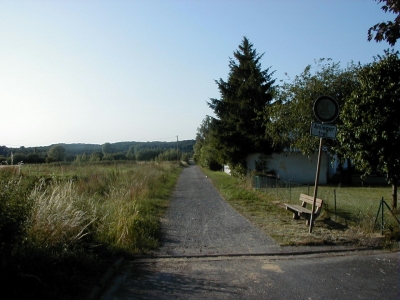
199, 220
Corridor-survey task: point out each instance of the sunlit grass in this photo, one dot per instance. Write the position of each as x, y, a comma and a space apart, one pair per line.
353, 223
71, 216
60, 216
122, 203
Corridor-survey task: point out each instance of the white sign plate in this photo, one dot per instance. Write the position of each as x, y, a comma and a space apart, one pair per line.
327, 131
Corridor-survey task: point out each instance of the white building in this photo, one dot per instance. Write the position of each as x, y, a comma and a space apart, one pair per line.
295, 166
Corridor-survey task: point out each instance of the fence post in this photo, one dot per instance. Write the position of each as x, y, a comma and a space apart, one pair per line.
334, 199
257, 183
290, 191
308, 189
382, 217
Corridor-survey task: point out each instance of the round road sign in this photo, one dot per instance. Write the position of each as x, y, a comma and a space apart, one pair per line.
326, 109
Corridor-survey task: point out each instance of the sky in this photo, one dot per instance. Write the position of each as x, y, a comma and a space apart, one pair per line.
95, 71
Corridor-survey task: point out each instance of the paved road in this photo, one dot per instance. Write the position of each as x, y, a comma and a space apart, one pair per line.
195, 262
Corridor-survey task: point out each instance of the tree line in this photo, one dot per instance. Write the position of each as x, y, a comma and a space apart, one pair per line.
137, 151
255, 115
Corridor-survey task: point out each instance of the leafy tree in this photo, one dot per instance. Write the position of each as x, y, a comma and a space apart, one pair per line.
148, 154
107, 148
96, 156
19, 158
390, 30
108, 156
56, 153
204, 150
81, 158
371, 123
34, 158
131, 153
291, 114
4, 151
239, 128
119, 156
168, 155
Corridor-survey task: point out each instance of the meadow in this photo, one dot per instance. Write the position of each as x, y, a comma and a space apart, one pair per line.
62, 225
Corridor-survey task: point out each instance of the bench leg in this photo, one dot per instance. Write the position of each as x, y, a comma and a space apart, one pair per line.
308, 222
296, 216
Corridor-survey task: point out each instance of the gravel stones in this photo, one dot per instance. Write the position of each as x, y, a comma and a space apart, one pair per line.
200, 221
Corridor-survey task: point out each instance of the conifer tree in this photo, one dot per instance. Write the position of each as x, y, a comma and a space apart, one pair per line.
240, 124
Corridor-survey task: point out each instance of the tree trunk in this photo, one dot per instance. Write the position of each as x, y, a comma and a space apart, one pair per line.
394, 195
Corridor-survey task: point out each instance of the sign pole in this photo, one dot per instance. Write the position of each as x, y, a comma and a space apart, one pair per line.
316, 185
326, 110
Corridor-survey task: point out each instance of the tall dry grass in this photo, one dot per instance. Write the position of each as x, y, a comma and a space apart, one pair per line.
61, 225
60, 216
116, 205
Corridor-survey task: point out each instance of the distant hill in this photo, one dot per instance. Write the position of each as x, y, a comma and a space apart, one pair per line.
72, 150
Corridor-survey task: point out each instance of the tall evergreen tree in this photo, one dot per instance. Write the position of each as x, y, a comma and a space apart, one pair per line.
240, 126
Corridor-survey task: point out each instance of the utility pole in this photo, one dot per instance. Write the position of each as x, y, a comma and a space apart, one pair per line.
177, 149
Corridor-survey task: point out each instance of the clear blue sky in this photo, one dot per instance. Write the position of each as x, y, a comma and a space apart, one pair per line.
109, 71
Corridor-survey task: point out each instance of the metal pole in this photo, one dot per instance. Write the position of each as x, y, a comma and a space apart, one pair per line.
334, 193
177, 149
382, 217
316, 185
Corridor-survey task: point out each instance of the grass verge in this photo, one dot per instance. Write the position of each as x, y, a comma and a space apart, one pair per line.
268, 213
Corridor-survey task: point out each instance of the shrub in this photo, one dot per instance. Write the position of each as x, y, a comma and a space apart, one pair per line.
14, 213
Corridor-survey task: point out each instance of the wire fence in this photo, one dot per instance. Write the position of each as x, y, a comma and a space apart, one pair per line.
363, 206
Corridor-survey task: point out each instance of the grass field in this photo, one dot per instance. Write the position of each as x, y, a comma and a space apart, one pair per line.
63, 225
354, 205
352, 224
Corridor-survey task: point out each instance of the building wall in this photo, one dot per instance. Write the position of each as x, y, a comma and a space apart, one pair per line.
296, 167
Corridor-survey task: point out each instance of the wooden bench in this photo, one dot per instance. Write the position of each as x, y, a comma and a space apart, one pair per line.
303, 211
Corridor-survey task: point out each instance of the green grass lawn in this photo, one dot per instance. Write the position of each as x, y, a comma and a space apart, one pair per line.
353, 223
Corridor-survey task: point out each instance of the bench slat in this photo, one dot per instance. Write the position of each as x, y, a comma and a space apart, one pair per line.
298, 208
302, 211
310, 199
